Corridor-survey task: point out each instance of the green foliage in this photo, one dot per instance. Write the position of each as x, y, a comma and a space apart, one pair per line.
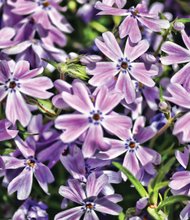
173, 199
138, 186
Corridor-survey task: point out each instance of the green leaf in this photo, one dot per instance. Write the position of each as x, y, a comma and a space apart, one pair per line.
7, 151
161, 94
162, 172
130, 212
98, 27
117, 20
46, 106
138, 186
154, 214
173, 199
183, 20
121, 216
160, 185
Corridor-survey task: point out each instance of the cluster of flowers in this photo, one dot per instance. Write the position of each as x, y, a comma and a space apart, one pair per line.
108, 118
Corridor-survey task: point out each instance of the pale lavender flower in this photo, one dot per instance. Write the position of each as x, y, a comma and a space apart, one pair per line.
80, 168
185, 213
34, 50
29, 28
181, 97
61, 86
17, 79
89, 199
6, 132
30, 165
31, 209
46, 137
180, 183
177, 54
138, 159
183, 157
134, 18
6, 35
45, 12
123, 65
92, 116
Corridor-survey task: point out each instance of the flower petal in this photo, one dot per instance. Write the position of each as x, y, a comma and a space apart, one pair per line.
143, 74
117, 124
37, 87
73, 125
94, 141
16, 109
106, 101
133, 51
95, 185
105, 206
22, 184
43, 176
70, 214
124, 84
77, 103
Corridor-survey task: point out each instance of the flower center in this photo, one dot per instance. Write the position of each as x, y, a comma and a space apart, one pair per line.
124, 65
131, 144
134, 12
46, 4
96, 117
89, 206
31, 162
12, 84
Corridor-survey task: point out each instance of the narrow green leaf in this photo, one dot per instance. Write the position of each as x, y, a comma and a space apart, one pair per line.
138, 186
154, 214
121, 216
98, 27
160, 185
163, 171
161, 94
46, 106
173, 199
183, 20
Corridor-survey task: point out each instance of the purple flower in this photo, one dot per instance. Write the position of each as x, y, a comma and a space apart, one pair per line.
89, 199
123, 65
17, 79
80, 168
61, 86
139, 160
185, 213
34, 50
31, 209
92, 116
22, 183
29, 27
183, 157
176, 54
45, 12
5, 132
180, 183
181, 97
134, 18
6, 34
49, 146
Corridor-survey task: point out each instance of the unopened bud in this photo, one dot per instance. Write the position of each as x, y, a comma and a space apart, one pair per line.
179, 26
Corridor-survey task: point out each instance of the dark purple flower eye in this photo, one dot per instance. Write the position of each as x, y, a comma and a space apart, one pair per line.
96, 117
12, 84
31, 163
